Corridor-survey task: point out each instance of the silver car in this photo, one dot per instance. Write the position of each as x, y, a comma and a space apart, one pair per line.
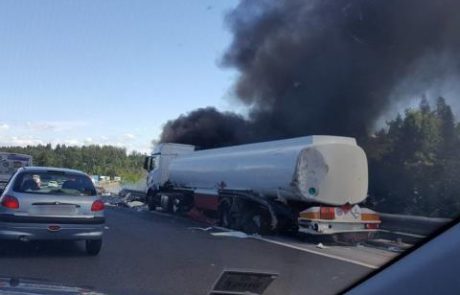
69, 211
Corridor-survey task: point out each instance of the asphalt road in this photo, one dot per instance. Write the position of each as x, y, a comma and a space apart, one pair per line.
148, 253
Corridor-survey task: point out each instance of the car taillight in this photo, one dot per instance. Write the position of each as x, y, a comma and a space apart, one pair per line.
10, 202
327, 213
98, 205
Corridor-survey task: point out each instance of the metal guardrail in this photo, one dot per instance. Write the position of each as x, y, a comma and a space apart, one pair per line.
419, 225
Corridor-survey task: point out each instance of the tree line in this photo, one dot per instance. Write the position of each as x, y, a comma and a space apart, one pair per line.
414, 163
93, 159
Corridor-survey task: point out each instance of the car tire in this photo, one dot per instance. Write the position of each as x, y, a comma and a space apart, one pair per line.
93, 247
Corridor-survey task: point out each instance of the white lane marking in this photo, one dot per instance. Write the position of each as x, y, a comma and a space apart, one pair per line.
317, 252
257, 237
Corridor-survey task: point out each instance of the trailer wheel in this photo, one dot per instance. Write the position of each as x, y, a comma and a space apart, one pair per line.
150, 202
166, 202
225, 215
176, 207
257, 222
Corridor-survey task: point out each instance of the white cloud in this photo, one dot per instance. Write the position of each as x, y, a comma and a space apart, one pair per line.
20, 141
4, 126
72, 142
127, 141
129, 136
55, 126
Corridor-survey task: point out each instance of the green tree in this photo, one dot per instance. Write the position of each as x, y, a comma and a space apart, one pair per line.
415, 170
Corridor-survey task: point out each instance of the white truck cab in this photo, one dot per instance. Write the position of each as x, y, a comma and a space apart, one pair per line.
157, 164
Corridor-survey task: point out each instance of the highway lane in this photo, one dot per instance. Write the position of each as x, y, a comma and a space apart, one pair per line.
148, 253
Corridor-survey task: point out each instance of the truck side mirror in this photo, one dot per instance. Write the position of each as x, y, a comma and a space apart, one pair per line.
147, 163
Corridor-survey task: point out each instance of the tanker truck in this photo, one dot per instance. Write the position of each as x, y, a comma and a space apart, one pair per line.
311, 184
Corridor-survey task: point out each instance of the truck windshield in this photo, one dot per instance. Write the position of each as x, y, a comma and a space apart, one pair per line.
54, 183
155, 162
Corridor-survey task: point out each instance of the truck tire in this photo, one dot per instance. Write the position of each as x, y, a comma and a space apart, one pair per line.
150, 202
257, 222
225, 215
93, 247
166, 202
175, 207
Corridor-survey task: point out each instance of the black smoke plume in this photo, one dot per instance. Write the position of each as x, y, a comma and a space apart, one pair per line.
206, 128
325, 66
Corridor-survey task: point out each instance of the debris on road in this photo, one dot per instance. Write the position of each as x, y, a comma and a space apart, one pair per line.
201, 228
134, 204
320, 246
197, 215
234, 234
395, 249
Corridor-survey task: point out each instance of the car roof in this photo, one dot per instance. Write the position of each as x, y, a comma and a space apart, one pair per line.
54, 169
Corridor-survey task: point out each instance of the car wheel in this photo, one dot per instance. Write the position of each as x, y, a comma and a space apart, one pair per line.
93, 247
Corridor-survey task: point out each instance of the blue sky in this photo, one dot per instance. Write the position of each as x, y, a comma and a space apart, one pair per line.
108, 72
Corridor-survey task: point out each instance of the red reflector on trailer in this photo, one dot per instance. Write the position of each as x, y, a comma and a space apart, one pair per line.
327, 213
372, 225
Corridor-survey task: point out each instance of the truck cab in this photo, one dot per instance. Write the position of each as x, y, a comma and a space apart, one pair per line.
157, 164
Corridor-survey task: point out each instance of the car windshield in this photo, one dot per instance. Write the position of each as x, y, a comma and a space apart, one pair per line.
54, 183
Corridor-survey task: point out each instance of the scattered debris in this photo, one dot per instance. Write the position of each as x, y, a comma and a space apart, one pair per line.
234, 234
134, 204
395, 249
198, 215
142, 208
201, 228
320, 246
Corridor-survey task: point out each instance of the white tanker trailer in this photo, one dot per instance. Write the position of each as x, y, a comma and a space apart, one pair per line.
312, 184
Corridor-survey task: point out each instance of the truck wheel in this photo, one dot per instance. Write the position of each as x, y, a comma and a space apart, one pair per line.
257, 223
150, 203
93, 247
167, 203
175, 208
225, 216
